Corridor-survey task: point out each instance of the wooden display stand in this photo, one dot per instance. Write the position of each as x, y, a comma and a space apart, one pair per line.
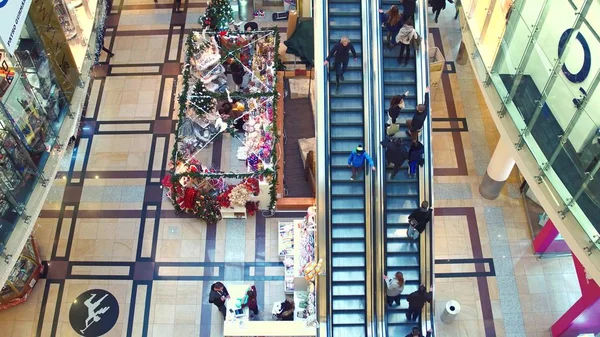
283, 202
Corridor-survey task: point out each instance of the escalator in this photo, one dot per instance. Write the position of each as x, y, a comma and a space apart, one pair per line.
401, 195
348, 257
364, 221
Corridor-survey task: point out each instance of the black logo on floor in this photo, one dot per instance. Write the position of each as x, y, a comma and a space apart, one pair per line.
94, 313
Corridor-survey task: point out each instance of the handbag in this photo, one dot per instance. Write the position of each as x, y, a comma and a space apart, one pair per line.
392, 129
416, 41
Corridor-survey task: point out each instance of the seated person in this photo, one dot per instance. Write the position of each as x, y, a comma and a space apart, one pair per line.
233, 111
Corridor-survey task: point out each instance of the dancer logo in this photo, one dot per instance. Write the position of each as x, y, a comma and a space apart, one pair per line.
3, 3
94, 313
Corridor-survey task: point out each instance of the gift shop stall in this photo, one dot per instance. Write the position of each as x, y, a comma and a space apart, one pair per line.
296, 316
229, 91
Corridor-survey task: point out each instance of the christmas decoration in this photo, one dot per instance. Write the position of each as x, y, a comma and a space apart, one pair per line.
200, 101
218, 15
100, 32
201, 190
239, 195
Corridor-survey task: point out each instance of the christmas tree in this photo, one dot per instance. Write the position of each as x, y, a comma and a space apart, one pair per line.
200, 100
218, 15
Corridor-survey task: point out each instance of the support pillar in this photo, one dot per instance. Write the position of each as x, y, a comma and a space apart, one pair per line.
582, 317
498, 170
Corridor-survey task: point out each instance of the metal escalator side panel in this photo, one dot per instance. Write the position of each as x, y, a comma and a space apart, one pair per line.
321, 45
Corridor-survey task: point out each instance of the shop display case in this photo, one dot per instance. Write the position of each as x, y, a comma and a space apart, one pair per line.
23, 277
64, 16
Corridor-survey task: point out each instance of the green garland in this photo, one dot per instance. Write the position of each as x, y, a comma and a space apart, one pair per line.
183, 100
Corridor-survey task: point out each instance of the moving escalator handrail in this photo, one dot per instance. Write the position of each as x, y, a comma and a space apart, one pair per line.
321, 45
379, 179
426, 172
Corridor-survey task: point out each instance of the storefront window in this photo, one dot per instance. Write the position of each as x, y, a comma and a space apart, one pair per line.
77, 20
562, 134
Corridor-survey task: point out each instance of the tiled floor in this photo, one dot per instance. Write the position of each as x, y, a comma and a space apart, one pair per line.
106, 224
503, 289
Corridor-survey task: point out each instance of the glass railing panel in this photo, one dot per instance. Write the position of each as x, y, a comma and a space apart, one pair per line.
584, 156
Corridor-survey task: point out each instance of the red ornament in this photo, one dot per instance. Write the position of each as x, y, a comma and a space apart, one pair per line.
166, 181
251, 207
223, 33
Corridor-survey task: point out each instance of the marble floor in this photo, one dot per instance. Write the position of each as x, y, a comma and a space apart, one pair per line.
106, 224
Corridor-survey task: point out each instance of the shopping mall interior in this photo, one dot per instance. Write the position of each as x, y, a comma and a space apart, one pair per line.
260, 167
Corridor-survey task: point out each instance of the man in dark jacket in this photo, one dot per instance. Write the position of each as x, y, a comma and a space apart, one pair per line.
418, 220
218, 296
416, 123
341, 53
438, 6
395, 152
416, 302
409, 9
416, 332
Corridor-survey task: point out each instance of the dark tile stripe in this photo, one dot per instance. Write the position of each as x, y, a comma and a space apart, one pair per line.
59, 296
111, 174
259, 254
448, 95
148, 32
482, 285
209, 256
132, 308
40, 324
463, 128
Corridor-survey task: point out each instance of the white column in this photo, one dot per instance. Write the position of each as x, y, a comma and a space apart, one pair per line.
499, 168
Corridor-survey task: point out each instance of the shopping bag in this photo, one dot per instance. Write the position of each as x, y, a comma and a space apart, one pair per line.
416, 41
393, 129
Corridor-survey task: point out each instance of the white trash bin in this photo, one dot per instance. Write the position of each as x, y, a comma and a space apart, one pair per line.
450, 311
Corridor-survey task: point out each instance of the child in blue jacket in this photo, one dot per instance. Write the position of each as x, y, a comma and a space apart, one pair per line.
414, 156
356, 160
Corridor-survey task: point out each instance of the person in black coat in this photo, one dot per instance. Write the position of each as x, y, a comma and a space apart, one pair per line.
416, 302
409, 9
420, 217
416, 332
416, 123
437, 6
218, 296
341, 53
395, 152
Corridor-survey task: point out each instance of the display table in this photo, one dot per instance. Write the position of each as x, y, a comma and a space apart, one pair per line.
236, 291
269, 328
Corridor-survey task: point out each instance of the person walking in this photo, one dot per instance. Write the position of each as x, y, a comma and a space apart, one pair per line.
357, 159
341, 53
418, 220
395, 286
218, 295
438, 6
415, 154
395, 152
416, 302
392, 21
405, 37
416, 332
408, 11
416, 123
